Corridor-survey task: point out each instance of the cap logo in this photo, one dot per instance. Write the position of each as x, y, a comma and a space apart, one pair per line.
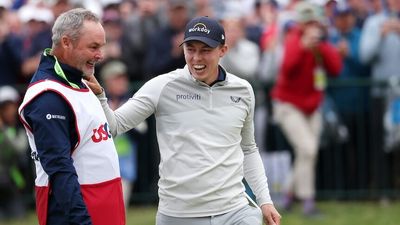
199, 27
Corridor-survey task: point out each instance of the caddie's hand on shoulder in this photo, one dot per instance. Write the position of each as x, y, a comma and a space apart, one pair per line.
93, 84
271, 215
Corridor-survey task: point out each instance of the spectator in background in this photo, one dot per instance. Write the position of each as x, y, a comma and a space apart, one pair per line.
288, 12
350, 99
113, 76
14, 146
307, 59
380, 42
270, 44
240, 48
164, 53
380, 48
375, 6
138, 28
10, 51
127, 8
329, 11
361, 11
346, 37
255, 23
248, 10
37, 18
203, 8
14, 22
59, 6
113, 27
115, 81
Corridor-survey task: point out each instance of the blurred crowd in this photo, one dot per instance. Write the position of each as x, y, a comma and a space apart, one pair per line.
143, 41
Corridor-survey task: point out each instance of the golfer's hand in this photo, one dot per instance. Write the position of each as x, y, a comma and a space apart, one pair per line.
271, 215
93, 84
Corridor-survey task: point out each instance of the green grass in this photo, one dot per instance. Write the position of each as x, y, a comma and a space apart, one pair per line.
334, 213
348, 213
135, 216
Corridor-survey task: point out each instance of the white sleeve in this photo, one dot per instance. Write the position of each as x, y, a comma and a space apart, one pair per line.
135, 110
254, 174
253, 167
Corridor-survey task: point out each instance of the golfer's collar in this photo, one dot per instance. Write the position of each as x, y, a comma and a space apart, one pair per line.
221, 79
221, 75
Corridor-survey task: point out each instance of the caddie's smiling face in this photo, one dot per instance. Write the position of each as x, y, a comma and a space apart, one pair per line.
203, 60
85, 52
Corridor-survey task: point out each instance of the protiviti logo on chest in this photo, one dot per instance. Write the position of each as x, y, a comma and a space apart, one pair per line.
199, 27
188, 97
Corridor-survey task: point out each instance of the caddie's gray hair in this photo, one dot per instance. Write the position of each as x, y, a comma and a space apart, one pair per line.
70, 23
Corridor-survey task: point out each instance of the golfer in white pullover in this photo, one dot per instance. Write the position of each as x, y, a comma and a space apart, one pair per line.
205, 132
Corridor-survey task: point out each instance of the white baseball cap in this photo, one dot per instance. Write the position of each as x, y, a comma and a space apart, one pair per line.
8, 93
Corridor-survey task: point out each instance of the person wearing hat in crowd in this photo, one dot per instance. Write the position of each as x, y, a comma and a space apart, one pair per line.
77, 171
10, 49
297, 96
205, 131
14, 146
165, 55
351, 102
380, 48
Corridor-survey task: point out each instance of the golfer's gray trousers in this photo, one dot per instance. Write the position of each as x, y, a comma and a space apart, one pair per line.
247, 215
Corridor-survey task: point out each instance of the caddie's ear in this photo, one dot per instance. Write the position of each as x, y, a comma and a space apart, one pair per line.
65, 42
